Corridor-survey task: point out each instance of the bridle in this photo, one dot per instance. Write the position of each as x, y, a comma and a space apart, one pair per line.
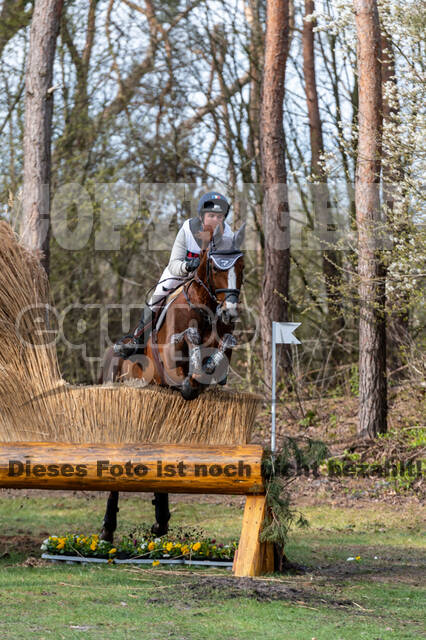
212, 292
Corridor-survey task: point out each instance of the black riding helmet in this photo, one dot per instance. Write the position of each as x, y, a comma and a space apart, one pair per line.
213, 201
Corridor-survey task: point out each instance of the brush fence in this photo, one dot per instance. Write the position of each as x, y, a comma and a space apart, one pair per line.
164, 468
118, 413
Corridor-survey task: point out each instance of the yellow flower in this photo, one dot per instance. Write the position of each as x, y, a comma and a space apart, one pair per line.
112, 550
151, 546
358, 558
61, 544
178, 545
196, 546
155, 563
94, 545
185, 549
169, 546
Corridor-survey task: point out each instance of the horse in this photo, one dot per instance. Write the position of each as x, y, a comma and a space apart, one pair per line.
191, 342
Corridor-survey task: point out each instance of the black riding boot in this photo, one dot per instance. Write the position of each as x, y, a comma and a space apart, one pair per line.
139, 337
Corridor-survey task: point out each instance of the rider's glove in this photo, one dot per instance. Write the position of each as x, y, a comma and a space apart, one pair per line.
191, 264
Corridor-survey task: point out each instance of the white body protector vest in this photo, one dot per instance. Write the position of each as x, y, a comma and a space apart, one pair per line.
193, 249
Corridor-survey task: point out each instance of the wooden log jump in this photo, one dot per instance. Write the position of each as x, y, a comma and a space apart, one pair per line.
232, 470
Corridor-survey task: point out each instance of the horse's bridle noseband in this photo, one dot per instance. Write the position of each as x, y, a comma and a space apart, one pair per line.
229, 293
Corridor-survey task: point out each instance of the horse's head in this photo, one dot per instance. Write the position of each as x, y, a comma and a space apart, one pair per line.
223, 272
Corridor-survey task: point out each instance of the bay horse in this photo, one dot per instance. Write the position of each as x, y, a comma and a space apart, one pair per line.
191, 342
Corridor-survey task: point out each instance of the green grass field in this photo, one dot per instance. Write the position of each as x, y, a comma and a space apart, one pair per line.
377, 597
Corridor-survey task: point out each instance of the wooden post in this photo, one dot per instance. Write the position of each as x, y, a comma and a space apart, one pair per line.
253, 557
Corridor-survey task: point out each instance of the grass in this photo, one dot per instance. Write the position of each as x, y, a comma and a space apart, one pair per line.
377, 597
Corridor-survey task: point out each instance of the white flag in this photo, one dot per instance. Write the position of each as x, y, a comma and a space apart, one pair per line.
282, 332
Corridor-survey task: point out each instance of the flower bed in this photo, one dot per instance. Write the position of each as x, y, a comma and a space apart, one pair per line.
175, 548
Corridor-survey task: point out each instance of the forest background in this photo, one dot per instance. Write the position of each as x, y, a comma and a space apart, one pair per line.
156, 102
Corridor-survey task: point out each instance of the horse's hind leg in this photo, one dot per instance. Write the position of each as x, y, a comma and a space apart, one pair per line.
110, 518
162, 514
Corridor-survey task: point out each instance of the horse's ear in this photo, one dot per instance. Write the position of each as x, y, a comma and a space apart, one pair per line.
217, 235
239, 236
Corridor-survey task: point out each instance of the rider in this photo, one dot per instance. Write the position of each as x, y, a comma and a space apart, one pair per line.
212, 210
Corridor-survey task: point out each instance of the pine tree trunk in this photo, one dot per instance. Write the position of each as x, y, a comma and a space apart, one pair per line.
37, 131
320, 193
276, 219
372, 324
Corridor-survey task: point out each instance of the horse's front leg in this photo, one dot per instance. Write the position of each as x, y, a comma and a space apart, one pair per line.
195, 370
217, 363
190, 387
110, 518
162, 514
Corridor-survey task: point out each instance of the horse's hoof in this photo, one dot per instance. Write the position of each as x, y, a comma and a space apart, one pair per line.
209, 366
188, 392
107, 535
159, 529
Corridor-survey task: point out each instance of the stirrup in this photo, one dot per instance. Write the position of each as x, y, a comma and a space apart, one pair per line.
125, 349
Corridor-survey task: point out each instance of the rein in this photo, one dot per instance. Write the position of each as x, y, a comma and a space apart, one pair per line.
208, 288
168, 292
228, 292
165, 379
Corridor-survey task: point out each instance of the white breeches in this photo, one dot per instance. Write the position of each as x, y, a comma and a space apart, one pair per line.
166, 283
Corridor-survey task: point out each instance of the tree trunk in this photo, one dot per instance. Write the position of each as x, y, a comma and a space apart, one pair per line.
320, 193
276, 219
372, 324
37, 131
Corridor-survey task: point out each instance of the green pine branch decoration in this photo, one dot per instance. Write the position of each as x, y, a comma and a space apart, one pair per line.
296, 456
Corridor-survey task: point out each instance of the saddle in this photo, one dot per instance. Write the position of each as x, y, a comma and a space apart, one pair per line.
143, 331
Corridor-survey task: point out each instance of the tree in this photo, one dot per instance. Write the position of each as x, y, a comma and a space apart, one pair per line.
276, 218
37, 131
320, 193
371, 272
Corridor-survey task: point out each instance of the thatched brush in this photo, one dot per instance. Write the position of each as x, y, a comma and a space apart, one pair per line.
36, 404
120, 413
28, 363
